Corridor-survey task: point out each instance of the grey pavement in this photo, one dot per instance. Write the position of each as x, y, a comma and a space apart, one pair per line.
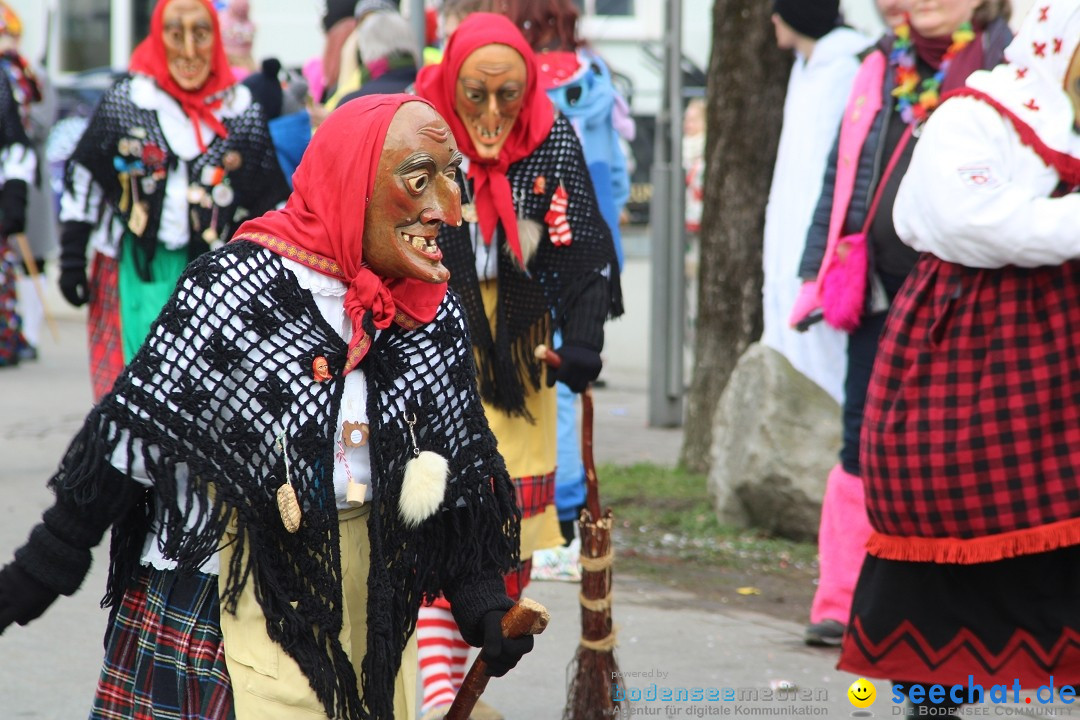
49, 668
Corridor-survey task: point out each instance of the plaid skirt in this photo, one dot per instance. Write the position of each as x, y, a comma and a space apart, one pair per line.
103, 326
969, 441
164, 657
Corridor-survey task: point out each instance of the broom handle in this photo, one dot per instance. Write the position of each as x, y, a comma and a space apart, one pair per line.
592, 486
35, 280
527, 617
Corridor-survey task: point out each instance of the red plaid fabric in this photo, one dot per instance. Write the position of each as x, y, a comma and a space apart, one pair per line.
165, 659
972, 420
103, 326
534, 493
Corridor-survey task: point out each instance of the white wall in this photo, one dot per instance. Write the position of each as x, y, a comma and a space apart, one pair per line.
290, 30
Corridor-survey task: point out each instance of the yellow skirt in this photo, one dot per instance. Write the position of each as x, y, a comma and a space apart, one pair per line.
267, 683
527, 447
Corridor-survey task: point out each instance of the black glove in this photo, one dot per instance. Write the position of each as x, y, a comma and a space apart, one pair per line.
56, 557
13, 207
73, 239
74, 286
22, 598
499, 653
579, 367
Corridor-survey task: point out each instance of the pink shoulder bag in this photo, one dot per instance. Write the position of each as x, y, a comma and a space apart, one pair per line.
843, 284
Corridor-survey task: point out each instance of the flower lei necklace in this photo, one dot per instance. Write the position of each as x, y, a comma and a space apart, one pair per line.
914, 101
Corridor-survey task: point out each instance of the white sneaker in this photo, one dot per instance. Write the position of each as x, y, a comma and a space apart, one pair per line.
558, 563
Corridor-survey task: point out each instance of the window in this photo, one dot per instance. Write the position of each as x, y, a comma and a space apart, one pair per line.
85, 34
605, 7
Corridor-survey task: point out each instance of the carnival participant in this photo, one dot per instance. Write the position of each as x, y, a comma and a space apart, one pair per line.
827, 56
174, 158
301, 436
533, 255
238, 37
388, 55
854, 263
579, 84
18, 169
970, 471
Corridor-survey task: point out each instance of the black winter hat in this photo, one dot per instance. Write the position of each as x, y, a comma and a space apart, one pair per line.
265, 87
812, 18
337, 10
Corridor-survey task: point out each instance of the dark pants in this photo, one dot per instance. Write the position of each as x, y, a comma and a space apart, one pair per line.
861, 351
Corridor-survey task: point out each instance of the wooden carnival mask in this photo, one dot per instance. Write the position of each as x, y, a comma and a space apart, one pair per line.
416, 191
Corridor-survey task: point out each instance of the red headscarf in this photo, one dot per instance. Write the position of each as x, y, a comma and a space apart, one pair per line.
322, 225
149, 59
438, 83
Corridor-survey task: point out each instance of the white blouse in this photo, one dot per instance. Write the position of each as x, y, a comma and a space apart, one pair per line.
349, 462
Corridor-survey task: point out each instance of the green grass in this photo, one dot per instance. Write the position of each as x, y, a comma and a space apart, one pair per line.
666, 514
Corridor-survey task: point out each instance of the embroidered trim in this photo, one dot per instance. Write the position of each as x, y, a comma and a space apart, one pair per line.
309, 259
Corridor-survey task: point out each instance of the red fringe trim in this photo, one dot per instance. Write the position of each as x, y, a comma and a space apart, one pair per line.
1068, 167
957, 551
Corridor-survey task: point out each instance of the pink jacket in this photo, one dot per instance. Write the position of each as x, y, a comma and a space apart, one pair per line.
863, 105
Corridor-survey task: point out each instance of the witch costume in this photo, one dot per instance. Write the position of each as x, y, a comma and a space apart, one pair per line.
969, 439
534, 254
160, 176
18, 171
283, 365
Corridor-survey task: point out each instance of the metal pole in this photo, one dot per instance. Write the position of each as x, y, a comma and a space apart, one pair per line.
666, 221
121, 26
419, 25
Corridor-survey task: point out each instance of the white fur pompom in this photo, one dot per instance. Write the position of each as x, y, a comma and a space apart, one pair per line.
529, 233
423, 487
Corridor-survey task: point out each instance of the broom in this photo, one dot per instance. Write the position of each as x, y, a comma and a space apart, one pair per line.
589, 695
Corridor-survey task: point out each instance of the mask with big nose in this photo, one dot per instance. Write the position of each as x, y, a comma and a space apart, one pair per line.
415, 192
490, 92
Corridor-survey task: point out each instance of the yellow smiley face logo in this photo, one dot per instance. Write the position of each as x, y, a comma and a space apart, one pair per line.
861, 693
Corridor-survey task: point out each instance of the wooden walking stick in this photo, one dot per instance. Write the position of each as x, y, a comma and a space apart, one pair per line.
527, 617
589, 696
35, 279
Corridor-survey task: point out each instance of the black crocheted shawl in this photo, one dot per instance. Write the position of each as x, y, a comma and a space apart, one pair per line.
576, 285
123, 137
225, 371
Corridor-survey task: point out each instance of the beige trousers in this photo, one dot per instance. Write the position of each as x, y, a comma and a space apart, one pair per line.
267, 683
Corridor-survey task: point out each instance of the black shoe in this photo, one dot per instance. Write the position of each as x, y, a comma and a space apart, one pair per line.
827, 633
27, 352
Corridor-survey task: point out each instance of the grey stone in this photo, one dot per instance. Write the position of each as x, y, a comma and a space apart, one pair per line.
776, 434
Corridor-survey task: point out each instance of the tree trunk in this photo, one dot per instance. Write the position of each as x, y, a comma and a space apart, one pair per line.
748, 78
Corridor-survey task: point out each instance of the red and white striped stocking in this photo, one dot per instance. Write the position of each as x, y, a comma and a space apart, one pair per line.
443, 654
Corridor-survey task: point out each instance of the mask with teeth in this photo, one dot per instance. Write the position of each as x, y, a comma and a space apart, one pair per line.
189, 40
416, 191
490, 92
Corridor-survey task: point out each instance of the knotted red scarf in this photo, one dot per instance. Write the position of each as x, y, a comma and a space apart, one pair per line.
322, 225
